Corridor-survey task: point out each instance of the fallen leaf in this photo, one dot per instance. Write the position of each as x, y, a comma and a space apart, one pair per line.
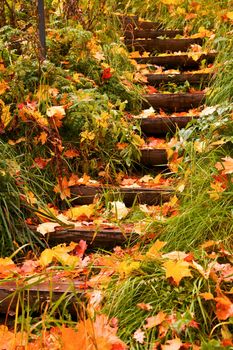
139, 336
154, 321
47, 227
80, 212
154, 251
224, 308
174, 344
144, 306
177, 270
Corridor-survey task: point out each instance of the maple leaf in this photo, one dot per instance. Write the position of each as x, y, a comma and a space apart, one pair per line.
154, 321
224, 307
56, 113
207, 296
41, 162
119, 209
139, 336
177, 270
106, 74
6, 116
43, 137
91, 335
87, 136
3, 86
126, 268
174, 344
154, 251
47, 227
144, 306
230, 15
11, 341
71, 153
226, 166
80, 248
151, 89
80, 212
7, 267
63, 188
61, 254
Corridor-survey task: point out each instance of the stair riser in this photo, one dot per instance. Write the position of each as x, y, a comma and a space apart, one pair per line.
198, 79
87, 194
176, 61
154, 157
161, 126
151, 34
39, 295
173, 102
161, 45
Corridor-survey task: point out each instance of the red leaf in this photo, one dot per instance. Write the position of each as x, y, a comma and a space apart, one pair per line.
151, 89
80, 248
41, 162
106, 74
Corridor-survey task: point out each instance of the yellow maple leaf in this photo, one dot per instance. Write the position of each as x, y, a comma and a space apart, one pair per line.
230, 15
87, 136
3, 86
154, 251
177, 270
6, 116
61, 254
126, 268
80, 212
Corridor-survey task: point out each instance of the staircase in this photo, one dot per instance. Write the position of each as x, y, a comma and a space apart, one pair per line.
172, 111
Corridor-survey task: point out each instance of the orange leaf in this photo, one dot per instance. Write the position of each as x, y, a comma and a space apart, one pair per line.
154, 321
177, 270
224, 308
154, 251
63, 188
174, 344
43, 137
226, 166
207, 296
71, 153
144, 306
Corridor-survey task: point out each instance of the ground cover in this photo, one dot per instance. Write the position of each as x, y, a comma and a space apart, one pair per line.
170, 287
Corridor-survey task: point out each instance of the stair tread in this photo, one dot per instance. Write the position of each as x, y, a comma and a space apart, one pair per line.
151, 33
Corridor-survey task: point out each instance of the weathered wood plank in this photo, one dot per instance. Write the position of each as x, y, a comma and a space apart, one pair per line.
175, 61
195, 78
174, 102
151, 34
39, 293
163, 125
154, 157
150, 196
162, 45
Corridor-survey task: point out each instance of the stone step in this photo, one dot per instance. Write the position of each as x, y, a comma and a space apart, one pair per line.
151, 196
151, 34
173, 102
162, 45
